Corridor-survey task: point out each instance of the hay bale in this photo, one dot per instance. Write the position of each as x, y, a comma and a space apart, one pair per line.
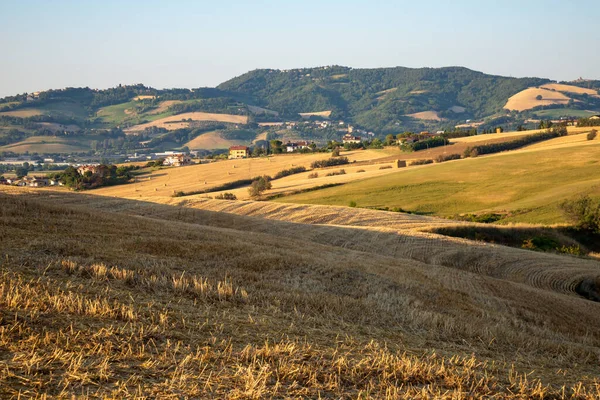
400, 163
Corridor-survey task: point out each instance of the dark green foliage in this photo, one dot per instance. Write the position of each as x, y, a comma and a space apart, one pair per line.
226, 196
109, 175
583, 212
330, 162
354, 93
487, 218
426, 144
421, 162
222, 105
588, 122
259, 185
287, 172
447, 157
334, 173
515, 144
239, 134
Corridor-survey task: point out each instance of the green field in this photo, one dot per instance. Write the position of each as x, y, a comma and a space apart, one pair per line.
562, 112
529, 185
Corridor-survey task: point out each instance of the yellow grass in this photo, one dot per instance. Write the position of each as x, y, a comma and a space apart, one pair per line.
213, 140
426, 115
105, 297
513, 135
170, 123
43, 144
570, 89
144, 97
167, 181
24, 113
324, 114
526, 99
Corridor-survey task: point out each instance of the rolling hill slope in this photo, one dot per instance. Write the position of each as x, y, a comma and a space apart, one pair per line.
167, 301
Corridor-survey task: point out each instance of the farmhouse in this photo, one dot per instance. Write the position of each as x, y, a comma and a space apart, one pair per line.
238, 152
594, 117
348, 138
178, 160
293, 146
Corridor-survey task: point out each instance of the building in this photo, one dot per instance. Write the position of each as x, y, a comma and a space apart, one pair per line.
238, 152
348, 138
293, 146
38, 181
178, 160
594, 117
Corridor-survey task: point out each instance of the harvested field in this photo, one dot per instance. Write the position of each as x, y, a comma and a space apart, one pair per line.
324, 114
176, 121
23, 113
212, 141
570, 89
526, 99
195, 303
426, 115
144, 97
45, 144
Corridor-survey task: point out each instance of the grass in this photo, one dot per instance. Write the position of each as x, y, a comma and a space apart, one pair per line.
105, 297
46, 144
562, 112
530, 185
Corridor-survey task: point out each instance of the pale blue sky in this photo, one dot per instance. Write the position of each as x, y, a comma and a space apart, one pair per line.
53, 44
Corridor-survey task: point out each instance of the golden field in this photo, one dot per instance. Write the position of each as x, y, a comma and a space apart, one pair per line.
177, 121
526, 99
106, 297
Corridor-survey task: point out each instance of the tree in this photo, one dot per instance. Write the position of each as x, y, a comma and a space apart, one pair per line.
276, 146
539, 97
259, 185
335, 152
21, 172
389, 139
583, 212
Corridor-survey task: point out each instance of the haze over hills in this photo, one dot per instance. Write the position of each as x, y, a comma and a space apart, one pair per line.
246, 108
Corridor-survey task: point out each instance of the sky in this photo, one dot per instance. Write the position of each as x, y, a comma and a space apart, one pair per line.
164, 44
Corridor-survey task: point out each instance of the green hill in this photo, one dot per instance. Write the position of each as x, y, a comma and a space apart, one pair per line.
381, 100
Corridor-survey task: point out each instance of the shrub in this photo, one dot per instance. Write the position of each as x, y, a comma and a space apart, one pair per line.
335, 152
330, 162
361, 170
352, 203
340, 172
447, 157
385, 167
515, 144
259, 185
592, 135
226, 196
287, 172
421, 162
313, 175
583, 212
426, 144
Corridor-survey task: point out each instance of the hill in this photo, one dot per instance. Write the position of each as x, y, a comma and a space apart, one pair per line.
193, 303
524, 185
377, 101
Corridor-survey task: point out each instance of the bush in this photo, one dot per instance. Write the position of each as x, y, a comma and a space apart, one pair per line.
515, 144
330, 162
583, 212
287, 172
352, 203
259, 185
340, 172
385, 167
361, 170
426, 144
313, 175
421, 162
226, 196
335, 152
447, 157
592, 135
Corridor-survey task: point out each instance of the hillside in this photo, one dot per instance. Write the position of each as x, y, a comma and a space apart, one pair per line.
136, 118
193, 303
524, 185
